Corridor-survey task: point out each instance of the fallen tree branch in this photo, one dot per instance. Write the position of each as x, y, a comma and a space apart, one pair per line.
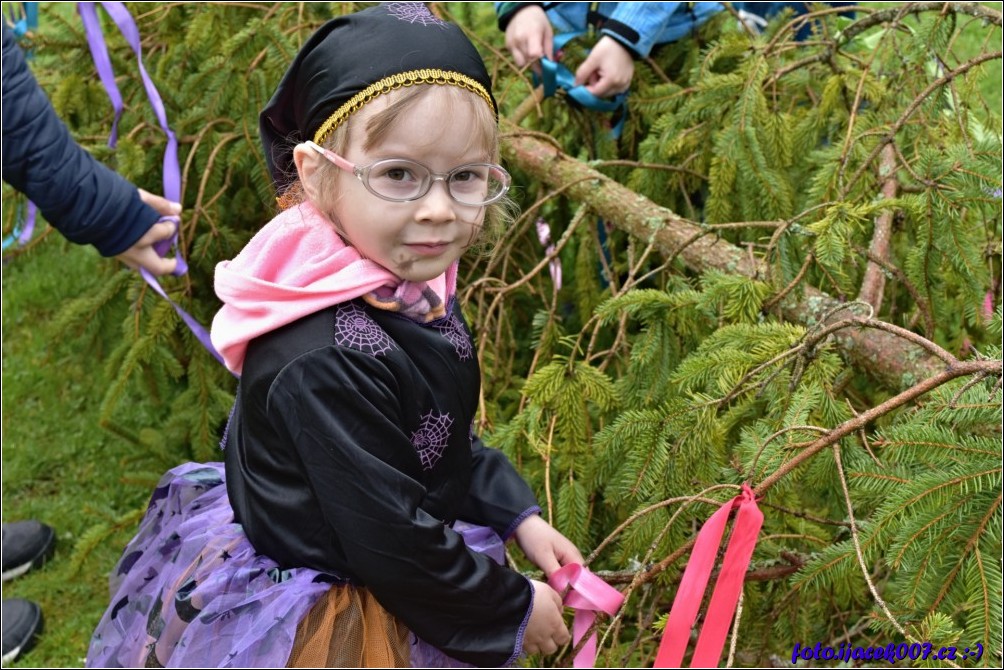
884, 356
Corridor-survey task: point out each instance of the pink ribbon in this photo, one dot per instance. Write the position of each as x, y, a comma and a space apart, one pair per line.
725, 597
544, 235
586, 594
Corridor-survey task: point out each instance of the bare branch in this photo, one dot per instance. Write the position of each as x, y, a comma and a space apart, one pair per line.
873, 283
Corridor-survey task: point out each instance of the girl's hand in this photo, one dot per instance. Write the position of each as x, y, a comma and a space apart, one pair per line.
545, 631
548, 549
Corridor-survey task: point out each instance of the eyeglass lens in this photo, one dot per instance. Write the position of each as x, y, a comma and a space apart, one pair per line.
398, 179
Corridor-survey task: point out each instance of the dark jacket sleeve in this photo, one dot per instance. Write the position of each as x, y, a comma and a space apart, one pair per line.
342, 418
499, 497
82, 198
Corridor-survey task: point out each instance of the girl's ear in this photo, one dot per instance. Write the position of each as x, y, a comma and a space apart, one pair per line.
307, 162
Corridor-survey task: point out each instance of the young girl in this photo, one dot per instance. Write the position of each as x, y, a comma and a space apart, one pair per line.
361, 519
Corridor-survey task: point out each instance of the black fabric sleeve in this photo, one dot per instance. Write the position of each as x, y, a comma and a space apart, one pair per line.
499, 497
341, 412
82, 198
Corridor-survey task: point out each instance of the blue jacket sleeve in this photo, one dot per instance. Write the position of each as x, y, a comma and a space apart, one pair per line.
82, 198
639, 26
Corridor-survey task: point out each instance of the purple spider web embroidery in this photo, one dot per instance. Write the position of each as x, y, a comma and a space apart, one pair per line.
413, 12
431, 437
356, 329
455, 333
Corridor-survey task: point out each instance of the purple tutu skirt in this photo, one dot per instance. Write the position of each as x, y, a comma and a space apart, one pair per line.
190, 590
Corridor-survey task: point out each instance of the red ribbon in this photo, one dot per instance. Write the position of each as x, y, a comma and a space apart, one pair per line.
725, 597
586, 594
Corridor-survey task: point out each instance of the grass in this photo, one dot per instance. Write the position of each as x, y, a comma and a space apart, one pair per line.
58, 466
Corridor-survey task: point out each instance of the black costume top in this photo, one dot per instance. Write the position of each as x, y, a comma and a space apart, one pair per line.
351, 450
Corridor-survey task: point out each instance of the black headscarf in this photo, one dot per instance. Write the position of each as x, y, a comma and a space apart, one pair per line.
354, 58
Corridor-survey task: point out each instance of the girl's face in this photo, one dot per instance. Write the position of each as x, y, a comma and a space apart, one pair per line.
415, 240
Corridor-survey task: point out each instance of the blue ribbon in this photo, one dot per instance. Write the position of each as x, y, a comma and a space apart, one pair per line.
27, 21
554, 75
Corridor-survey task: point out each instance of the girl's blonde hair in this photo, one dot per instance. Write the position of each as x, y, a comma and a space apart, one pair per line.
498, 216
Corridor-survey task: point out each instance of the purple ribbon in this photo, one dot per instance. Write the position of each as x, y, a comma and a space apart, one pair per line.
29, 225
99, 50
172, 170
200, 332
24, 229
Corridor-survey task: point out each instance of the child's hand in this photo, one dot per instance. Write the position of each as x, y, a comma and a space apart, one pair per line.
546, 548
529, 36
607, 70
546, 630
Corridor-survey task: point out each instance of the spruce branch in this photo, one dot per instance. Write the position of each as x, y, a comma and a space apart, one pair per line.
658, 166
923, 308
545, 261
996, 388
786, 429
516, 231
831, 438
767, 573
878, 324
196, 142
735, 631
854, 107
974, 9
652, 508
596, 323
200, 202
804, 515
864, 437
977, 378
971, 545
893, 15
953, 371
164, 7
769, 305
860, 554
890, 136
529, 104
802, 352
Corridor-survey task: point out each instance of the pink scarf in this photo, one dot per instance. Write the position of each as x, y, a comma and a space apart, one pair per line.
297, 265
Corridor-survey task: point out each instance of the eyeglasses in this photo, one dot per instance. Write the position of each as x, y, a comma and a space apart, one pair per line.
402, 180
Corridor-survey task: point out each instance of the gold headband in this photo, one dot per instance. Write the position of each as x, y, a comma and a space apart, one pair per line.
393, 82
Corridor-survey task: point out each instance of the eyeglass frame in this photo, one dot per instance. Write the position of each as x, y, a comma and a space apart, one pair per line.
362, 173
